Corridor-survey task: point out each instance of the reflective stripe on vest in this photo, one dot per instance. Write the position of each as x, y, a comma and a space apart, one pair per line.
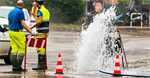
43, 28
45, 20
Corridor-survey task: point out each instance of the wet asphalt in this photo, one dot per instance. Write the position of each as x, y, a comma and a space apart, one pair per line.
136, 44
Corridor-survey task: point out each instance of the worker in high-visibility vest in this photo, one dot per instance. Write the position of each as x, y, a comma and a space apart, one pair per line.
42, 27
16, 23
34, 9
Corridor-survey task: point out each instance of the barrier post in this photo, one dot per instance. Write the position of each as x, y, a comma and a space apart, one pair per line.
132, 19
147, 18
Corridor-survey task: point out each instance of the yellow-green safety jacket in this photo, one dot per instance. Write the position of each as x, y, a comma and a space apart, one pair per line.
35, 12
44, 26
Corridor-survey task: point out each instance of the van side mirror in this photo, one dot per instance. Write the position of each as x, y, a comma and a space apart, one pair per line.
3, 29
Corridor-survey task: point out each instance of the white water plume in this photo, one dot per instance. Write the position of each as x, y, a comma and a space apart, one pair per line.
95, 47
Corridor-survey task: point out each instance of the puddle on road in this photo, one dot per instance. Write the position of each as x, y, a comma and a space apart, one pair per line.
29, 75
11, 72
33, 77
40, 74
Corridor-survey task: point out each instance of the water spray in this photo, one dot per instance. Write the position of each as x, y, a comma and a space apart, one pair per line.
98, 44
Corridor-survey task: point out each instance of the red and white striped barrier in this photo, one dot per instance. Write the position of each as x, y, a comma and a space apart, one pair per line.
136, 14
32, 41
37, 43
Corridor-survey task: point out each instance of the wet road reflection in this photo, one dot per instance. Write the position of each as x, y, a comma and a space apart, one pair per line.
136, 43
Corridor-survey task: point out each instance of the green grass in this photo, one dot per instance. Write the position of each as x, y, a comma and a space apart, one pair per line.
65, 25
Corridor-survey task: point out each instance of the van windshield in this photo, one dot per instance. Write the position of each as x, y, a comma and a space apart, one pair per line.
4, 13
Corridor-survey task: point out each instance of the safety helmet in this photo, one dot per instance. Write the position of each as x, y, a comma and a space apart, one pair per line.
38, 0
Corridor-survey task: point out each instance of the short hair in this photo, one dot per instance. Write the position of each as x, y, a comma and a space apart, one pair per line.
20, 3
41, 3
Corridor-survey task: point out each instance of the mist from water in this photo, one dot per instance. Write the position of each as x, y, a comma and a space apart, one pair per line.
94, 49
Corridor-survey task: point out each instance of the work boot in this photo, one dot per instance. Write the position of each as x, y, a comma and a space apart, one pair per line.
40, 63
14, 61
19, 62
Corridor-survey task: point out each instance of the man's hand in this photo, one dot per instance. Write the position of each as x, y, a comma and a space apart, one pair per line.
32, 13
35, 33
37, 23
25, 26
30, 27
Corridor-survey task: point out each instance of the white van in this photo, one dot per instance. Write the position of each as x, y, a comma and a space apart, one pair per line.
5, 47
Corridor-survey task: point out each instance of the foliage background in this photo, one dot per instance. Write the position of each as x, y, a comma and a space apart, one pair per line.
62, 11
128, 1
66, 11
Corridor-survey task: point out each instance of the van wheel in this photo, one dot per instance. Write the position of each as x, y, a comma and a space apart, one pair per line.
7, 59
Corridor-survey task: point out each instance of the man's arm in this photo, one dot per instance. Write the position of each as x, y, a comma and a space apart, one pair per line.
25, 26
22, 20
37, 23
8, 24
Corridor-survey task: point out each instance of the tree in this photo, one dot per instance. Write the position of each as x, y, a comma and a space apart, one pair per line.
67, 11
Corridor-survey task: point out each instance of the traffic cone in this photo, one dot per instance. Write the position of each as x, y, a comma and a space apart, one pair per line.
59, 69
117, 66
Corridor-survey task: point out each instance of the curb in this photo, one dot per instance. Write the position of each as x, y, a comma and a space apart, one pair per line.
134, 28
78, 30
